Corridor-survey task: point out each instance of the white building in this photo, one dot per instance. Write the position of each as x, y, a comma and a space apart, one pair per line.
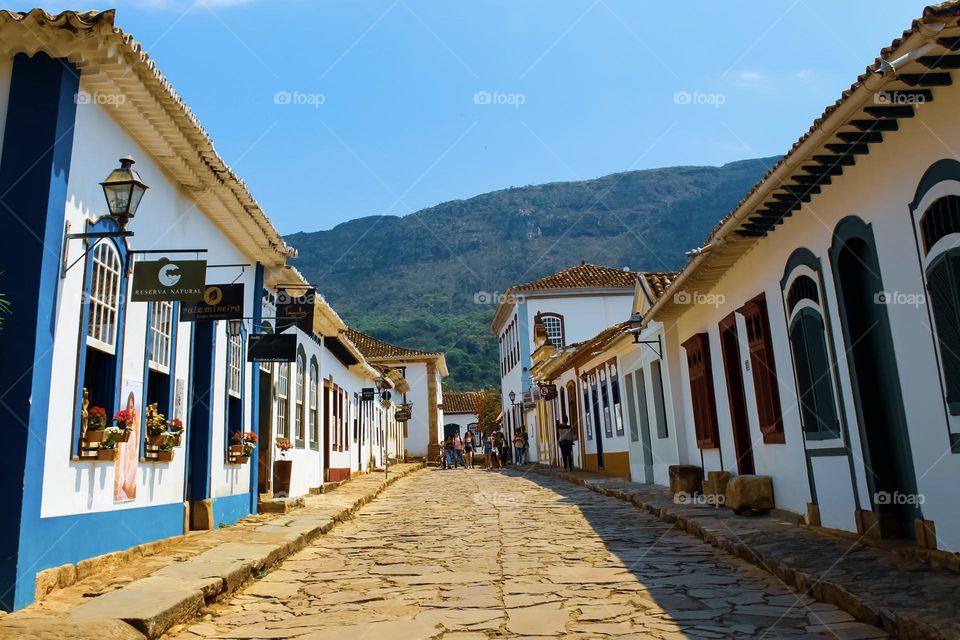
424, 373
814, 339
574, 304
461, 411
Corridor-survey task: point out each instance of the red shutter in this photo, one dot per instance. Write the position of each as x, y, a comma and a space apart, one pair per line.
764, 369
701, 391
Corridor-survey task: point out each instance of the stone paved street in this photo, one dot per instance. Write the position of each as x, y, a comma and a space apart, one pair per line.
473, 554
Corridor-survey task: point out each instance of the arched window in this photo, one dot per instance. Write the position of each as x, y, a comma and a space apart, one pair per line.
314, 396
942, 218
553, 323
104, 308
808, 339
104, 298
283, 407
300, 418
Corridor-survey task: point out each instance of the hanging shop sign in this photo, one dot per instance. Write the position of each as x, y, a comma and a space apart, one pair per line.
168, 280
220, 302
271, 347
548, 391
403, 414
295, 309
366, 394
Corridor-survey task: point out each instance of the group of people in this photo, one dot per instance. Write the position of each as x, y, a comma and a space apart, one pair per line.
459, 452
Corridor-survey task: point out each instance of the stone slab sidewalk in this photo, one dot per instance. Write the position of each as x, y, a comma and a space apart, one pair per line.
144, 597
908, 598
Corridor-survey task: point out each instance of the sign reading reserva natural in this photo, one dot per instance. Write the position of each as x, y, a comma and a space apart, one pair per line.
272, 347
168, 280
220, 302
295, 309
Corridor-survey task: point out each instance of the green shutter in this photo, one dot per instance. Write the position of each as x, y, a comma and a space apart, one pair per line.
808, 401
942, 278
820, 371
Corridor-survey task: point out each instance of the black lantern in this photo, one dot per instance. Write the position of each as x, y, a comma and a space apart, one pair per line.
235, 328
123, 189
513, 397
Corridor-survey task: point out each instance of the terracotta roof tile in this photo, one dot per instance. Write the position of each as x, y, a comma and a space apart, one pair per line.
658, 281
462, 401
373, 348
582, 276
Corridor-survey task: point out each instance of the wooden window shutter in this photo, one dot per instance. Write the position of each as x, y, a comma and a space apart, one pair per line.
763, 365
943, 283
701, 391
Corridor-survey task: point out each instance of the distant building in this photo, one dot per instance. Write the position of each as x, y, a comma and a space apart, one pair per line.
424, 373
573, 304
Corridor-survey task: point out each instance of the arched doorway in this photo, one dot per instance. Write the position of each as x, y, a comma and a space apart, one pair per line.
874, 378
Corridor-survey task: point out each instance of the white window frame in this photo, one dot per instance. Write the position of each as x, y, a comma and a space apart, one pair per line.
299, 421
314, 402
235, 366
283, 379
161, 336
553, 324
105, 282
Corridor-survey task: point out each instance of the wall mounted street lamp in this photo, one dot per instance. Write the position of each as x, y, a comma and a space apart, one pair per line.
235, 328
636, 326
123, 190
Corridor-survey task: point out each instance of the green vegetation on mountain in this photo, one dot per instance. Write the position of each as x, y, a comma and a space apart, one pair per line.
429, 280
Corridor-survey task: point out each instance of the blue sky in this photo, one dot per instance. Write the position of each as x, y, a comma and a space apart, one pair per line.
337, 109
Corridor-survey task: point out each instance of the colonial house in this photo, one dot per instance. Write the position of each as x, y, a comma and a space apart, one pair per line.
573, 304
813, 338
461, 412
155, 335
612, 389
423, 401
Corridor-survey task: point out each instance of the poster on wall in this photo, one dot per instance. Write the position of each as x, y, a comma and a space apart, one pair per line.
128, 454
178, 407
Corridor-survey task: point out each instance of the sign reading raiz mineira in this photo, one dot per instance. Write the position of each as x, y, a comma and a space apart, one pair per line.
220, 302
272, 347
295, 309
168, 280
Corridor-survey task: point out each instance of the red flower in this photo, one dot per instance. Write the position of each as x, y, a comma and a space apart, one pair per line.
123, 417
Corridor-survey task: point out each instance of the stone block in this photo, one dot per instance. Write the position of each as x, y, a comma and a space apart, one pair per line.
201, 515
813, 515
926, 534
750, 493
715, 487
52, 579
685, 478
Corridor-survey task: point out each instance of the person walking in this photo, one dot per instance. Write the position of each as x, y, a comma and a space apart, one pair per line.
518, 448
448, 457
499, 449
458, 451
468, 449
566, 447
488, 451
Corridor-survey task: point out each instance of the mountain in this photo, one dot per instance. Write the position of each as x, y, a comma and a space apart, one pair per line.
429, 280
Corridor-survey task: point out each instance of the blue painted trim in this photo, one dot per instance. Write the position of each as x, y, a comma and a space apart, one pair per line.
229, 509
227, 431
34, 178
255, 389
101, 225
172, 391
200, 431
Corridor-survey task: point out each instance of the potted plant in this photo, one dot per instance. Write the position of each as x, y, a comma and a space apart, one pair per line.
282, 469
156, 426
175, 427
123, 420
242, 447
96, 424
165, 454
108, 446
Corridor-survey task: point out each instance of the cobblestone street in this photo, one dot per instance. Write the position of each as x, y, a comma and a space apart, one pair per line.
474, 554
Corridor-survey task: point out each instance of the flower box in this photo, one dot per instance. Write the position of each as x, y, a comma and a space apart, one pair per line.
176, 439
238, 459
106, 454
125, 436
164, 456
94, 435
156, 441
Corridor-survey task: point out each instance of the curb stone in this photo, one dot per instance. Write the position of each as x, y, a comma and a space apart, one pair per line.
178, 592
898, 624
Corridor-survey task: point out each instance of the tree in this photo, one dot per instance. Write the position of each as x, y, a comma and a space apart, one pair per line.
488, 412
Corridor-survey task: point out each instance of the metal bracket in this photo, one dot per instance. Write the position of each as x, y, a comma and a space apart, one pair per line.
96, 235
658, 350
